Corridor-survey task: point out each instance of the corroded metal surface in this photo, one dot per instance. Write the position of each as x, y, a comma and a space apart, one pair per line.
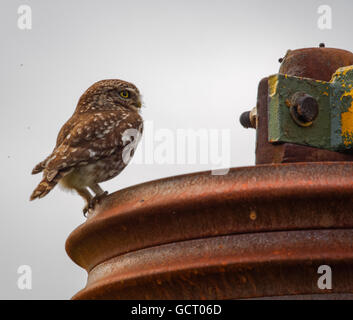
267, 152
166, 239
315, 63
331, 126
228, 267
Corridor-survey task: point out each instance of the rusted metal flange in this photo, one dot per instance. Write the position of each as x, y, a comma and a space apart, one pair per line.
201, 236
228, 267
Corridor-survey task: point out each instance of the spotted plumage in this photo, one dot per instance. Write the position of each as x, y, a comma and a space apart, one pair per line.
90, 146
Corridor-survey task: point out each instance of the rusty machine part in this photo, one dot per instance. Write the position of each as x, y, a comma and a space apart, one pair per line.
256, 232
310, 67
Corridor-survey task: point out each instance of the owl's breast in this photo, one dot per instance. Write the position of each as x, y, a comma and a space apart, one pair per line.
99, 171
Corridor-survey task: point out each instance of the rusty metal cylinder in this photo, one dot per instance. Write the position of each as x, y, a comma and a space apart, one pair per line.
256, 232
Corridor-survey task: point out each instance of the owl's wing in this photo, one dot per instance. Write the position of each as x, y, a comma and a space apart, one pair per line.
64, 131
95, 136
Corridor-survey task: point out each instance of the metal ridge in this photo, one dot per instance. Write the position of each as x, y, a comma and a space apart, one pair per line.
250, 199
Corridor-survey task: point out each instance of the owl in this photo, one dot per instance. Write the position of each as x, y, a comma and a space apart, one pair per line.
94, 145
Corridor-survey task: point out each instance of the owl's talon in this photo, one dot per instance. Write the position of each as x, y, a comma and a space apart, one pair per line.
96, 200
85, 210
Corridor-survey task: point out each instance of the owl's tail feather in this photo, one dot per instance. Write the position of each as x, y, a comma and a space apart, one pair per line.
44, 187
39, 167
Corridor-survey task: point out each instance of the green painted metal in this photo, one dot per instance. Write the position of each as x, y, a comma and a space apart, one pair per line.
332, 129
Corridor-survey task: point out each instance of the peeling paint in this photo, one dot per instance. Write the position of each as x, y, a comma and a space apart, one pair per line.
273, 84
333, 128
347, 121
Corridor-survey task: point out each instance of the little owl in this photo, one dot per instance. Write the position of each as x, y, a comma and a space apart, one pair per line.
90, 146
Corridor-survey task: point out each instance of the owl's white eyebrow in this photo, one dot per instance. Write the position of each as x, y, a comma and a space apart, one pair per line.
132, 90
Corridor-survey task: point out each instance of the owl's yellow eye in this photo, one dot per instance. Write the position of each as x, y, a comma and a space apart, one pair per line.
125, 94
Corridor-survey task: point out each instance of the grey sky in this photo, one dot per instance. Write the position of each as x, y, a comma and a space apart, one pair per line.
197, 64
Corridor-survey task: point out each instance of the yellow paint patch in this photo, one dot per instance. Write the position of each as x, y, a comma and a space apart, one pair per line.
346, 69
347, 94
273, 84
347, 122
341, 72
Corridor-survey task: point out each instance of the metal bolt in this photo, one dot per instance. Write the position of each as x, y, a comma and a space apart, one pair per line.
248, 119
304, 109
245, 119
